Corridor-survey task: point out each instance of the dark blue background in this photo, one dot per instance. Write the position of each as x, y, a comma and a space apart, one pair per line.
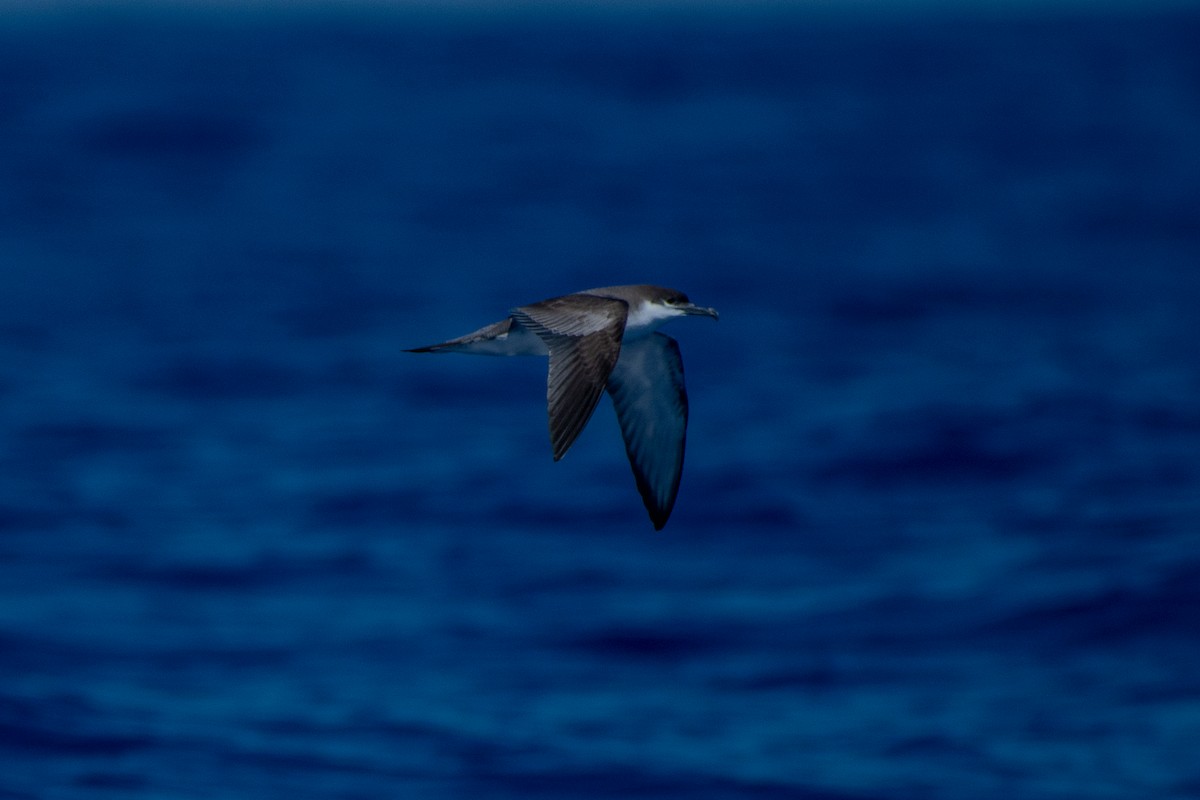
938, 532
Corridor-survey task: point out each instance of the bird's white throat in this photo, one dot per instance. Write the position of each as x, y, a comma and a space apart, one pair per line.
646, 318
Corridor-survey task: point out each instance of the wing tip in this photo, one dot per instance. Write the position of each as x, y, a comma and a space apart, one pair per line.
659, 514
560, 443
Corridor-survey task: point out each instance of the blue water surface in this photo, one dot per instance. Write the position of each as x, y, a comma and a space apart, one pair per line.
939, 530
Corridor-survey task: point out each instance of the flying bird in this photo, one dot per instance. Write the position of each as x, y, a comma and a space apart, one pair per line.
606, 339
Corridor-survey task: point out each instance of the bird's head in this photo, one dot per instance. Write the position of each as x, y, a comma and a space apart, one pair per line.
654, 305
676, 304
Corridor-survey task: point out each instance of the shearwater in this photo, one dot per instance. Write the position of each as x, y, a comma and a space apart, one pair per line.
606, 339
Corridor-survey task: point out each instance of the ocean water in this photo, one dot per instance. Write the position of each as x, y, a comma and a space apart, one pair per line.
939, 529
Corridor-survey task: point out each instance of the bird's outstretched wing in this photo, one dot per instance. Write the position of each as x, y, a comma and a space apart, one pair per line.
651, 401
583, 334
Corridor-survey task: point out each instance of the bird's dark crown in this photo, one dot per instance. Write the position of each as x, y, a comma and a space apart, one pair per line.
652, 294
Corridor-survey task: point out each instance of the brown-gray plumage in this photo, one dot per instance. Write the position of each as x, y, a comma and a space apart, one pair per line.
606, 339
583, 335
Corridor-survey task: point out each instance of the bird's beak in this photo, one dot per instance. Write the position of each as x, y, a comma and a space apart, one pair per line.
693, 310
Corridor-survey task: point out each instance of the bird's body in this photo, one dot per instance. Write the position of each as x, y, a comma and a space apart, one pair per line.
606, 339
